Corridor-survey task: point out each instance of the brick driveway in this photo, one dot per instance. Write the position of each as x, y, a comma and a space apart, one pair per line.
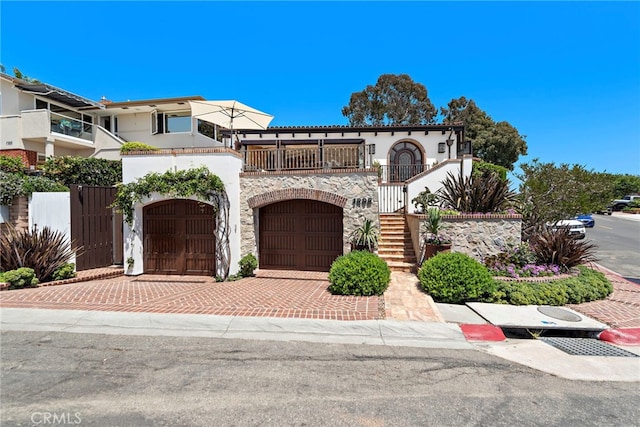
272, 294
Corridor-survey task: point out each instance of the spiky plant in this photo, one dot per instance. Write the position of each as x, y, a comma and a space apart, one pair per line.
42, 250
485, 192
558, 247
365, 236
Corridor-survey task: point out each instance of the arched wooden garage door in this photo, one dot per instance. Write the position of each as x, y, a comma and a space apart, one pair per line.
300, 235
179, 238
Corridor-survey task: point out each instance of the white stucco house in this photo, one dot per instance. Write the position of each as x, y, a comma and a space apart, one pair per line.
295, 193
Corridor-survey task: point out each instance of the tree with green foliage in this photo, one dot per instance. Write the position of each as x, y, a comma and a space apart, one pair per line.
18, 74
498, 143
550, 193
394, 100
624, 184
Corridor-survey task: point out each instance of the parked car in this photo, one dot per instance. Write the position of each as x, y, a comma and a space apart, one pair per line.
587, 220
619, 204
576, 228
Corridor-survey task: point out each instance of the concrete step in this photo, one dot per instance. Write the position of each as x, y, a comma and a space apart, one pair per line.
398, 257
406, 267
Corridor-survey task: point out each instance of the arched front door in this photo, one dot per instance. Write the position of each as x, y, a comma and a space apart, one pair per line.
405, 160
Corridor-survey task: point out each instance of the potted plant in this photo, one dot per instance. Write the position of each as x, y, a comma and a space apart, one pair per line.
378, 167
365, 237
434, 242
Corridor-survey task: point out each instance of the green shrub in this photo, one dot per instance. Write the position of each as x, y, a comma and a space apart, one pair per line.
41, 184
10, 164
454, 277
359, 273
69, 170
65, 271
136, 146
588, 285
13, 185
479, 168
10, 187
247, 264
20, 278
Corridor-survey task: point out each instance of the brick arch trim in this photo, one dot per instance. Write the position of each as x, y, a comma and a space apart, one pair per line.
296, 193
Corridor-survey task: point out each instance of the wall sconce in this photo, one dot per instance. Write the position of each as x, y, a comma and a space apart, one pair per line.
372, 149
440, 147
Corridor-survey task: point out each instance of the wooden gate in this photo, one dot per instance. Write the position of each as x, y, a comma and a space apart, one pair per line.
179, 238
300, 235
95, 227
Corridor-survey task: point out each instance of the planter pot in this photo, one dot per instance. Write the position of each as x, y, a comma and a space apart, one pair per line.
431, 250
360, 248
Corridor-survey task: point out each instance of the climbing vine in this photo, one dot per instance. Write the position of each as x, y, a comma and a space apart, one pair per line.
198, 182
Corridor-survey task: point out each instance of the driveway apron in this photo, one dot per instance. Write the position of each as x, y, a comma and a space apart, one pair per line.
271, 294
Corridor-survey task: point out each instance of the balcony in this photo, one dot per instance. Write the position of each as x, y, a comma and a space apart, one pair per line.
66, 125
330, 157
44, 124
303, 158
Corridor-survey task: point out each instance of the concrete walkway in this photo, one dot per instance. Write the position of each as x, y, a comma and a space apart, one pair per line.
405, 300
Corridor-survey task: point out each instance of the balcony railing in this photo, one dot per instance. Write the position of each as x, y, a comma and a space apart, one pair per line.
401, 173
328, 157
73, 127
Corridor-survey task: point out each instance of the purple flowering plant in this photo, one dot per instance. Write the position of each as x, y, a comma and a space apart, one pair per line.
519, 261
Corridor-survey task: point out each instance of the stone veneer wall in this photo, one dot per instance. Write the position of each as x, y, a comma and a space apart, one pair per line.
355, 191
477, 235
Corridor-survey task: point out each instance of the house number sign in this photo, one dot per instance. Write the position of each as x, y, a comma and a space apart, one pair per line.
361, 202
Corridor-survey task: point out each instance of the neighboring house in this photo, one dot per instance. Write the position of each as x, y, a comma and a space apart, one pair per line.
38, 120
295, 193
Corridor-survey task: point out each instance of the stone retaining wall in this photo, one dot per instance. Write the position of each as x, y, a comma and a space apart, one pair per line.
477, 235
354, 191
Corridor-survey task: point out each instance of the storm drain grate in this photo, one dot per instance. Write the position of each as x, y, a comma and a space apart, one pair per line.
586, 347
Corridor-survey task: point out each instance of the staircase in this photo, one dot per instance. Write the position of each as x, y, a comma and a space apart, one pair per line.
395, 245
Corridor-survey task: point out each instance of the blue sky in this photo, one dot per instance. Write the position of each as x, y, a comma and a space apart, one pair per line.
566, 75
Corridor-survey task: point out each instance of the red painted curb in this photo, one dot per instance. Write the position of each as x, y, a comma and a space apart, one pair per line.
482, 332
623, 336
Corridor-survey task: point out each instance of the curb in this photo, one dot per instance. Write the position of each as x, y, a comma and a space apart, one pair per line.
473, 332
621, 336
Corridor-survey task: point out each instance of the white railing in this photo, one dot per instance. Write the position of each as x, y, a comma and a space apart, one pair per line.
391, 197
328, 157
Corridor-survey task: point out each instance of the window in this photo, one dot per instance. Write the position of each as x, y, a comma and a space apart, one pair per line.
210, 130
178, 122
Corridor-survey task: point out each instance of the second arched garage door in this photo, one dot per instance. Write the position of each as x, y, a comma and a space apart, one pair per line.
179, 238
300, 235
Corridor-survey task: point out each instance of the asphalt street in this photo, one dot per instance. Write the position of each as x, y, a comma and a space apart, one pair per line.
618, 244
114, 380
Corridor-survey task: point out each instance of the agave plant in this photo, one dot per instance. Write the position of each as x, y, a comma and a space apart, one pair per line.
365, 236
485, 192
42, 250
